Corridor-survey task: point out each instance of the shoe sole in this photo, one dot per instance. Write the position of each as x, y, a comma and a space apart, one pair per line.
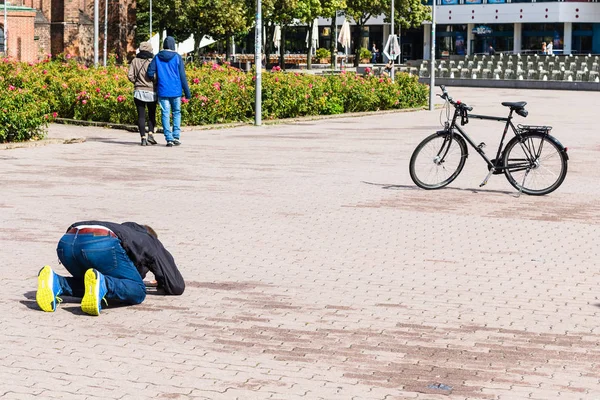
45, 295
90, 304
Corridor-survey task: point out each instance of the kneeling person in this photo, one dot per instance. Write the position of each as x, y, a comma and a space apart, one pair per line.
108, 261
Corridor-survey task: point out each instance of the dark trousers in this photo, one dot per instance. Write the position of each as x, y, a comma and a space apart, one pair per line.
141, 110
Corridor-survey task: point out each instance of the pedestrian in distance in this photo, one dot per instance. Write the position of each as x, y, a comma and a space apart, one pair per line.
108, 260
549, 48
491, 50
544, 47
144, 92
374, 53
169, 69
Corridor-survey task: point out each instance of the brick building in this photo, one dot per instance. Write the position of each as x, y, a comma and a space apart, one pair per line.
40, 27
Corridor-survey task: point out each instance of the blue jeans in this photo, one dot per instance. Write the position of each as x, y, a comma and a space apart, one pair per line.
166, 104
80, 252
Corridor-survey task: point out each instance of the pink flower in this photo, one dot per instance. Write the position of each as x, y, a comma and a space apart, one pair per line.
30, 64
276, 79
97, 90
310, 86
184, 100
54, 114
45, 72
203, 104
84, 101
64, 85
217, 85
120, 99
106, 96
380, 80
306, 96
68, 56
196, 81
217, 101
11, 87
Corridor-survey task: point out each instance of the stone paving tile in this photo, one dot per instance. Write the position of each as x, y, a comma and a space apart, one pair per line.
314, 267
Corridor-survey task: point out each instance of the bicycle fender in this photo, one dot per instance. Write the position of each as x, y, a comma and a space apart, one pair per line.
457, 137
562, 148
551, 138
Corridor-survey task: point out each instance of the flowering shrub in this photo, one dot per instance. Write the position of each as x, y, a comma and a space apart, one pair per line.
220, 93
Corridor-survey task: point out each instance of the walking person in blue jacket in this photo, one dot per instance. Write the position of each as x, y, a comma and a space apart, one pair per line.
169, 68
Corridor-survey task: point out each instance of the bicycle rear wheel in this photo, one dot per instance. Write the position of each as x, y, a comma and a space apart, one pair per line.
438, 160
535, 163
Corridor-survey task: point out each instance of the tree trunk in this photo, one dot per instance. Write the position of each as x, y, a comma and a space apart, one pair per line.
228, 49
310, 45
282, 48
333, 44
268, 41
357, 41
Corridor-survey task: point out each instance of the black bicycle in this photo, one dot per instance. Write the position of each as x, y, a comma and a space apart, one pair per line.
533, 161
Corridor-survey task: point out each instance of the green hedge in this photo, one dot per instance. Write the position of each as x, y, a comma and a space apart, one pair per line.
220, 93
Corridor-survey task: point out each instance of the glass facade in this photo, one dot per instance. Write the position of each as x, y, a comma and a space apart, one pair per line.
582, 38
534, 35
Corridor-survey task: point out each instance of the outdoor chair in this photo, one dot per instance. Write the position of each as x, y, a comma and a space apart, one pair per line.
555, 75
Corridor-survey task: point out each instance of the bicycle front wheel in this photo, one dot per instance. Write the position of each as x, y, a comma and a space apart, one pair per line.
438, 160
535, 163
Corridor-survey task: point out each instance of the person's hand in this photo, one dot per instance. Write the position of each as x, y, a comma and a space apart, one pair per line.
184, 100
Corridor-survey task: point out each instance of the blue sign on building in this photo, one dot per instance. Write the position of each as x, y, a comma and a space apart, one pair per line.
482, 29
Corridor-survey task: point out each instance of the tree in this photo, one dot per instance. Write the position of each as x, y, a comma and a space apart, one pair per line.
220, 19
360, 11
409, 13
167, 15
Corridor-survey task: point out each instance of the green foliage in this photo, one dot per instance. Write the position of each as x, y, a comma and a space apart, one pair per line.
364, 53
322, 53
31, 94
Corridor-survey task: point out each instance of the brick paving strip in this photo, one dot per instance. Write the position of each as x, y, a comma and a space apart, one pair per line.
315, 269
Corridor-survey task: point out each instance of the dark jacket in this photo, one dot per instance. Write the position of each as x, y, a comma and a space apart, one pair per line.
168, 66
147, 254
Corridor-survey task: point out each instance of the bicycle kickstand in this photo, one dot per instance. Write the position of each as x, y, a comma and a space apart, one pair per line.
485, 181
523, 183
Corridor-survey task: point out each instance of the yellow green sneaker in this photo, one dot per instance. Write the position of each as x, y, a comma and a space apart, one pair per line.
48, 290
95, 290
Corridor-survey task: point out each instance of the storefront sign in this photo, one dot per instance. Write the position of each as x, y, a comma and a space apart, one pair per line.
496, 1
449, 2
482, 29
473, 1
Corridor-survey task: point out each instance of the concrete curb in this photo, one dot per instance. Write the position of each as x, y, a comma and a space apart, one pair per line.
514, 84
133, 128
39, 143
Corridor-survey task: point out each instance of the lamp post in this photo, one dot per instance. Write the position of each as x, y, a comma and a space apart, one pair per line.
258, 65
432, 67
105, 30
392, 45
5, 29
150, 20
96, 31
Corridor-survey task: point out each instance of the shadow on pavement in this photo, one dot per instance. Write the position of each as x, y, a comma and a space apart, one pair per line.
414, 187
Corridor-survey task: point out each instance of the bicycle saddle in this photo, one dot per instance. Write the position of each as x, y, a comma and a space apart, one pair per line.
515, 105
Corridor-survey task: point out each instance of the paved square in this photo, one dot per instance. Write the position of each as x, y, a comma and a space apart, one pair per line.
315, 269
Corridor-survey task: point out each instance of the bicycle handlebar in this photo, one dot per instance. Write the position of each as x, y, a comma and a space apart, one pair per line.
456, 104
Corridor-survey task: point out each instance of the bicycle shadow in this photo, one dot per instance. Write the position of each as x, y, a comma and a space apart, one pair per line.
415, 187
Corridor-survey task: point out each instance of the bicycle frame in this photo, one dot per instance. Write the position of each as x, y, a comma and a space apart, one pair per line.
496, 163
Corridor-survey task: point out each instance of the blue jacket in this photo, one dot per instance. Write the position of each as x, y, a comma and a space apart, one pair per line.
168, 66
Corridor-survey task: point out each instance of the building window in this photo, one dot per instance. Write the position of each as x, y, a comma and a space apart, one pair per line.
1, 39
534, 35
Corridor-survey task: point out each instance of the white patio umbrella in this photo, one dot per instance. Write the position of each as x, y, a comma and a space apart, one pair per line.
315, 35
277, 36
344, 36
